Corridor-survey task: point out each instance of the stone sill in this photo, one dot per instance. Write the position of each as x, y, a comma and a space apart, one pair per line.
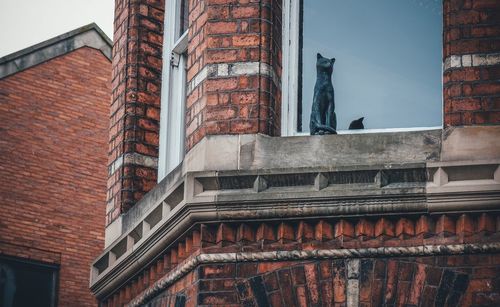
242, 153
258, 177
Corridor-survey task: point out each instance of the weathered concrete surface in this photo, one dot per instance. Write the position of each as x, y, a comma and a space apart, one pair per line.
260, 152
349, 149
237, 155
471, 143
240, 154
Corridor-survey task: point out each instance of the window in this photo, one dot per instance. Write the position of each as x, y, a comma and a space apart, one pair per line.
173, 87
388, 66
27, 283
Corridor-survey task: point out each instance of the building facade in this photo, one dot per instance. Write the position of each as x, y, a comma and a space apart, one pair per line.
215, 199
54, 115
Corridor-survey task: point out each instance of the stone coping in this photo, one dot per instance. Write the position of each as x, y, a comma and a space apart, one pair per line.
87, 36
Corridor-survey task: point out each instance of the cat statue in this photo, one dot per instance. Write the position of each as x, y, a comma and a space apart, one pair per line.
323, 118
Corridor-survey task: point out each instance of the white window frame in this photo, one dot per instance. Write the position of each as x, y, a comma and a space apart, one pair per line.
290, 77
173, 92
290, 80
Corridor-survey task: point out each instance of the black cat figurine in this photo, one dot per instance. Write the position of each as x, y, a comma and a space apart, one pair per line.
323, 118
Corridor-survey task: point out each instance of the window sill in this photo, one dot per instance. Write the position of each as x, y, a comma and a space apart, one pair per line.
382, 130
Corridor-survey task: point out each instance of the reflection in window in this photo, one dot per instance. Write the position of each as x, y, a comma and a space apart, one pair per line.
184, 17
26, 283
388, 61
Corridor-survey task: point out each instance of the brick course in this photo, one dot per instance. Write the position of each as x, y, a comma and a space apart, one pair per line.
135, 103
417, 281
472, 45
245, 35
377, 280
444, 281
242, 95
54, 120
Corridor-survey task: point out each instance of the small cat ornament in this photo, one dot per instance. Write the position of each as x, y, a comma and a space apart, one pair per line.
323, 117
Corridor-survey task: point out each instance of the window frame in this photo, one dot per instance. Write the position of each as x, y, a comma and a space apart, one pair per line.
291, 28
54, 271
173, 92
290, 77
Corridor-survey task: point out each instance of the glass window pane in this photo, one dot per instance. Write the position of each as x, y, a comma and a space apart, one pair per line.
388, 60
26, 284
184, 17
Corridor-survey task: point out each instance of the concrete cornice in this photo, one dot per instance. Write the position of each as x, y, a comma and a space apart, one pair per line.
87, 36
206, 199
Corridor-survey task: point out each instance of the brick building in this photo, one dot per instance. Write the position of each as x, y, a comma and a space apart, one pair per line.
215, 198
54, 115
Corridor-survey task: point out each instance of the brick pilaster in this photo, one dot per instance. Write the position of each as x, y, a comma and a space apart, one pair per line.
471, 62
135, 104
234, 68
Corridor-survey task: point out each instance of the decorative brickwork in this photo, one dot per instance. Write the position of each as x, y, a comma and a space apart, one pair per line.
424, 281
472, 62
54, 123
239, 253
135, 104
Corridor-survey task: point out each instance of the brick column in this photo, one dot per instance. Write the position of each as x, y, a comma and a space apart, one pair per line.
471, 62
135, 104
234, 68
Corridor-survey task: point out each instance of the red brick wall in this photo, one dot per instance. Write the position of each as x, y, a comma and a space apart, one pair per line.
54, 128
469, 279
422, 281
135, 102
471, 90
234, 33
220, 32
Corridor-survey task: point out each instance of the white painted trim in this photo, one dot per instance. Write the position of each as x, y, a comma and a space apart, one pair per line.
173, 93
289, 88
181, 45
471, 60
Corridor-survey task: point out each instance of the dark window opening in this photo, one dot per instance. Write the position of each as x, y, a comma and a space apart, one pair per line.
184, 22
27, 283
